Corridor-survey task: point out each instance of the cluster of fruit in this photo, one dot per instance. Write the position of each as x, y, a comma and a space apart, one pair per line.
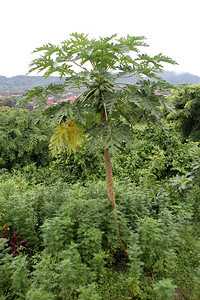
95, 92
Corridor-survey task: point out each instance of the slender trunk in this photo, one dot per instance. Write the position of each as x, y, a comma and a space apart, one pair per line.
111, 194
110, 187
109, 178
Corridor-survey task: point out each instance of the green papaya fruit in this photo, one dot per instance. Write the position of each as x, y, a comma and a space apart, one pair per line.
111, 83
95, 101
95, 84
102, 88
97, 93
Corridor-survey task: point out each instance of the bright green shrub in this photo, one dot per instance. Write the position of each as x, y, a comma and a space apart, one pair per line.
186, 99
73, 250
164, 289
157, 246
83, 165
153, 155
89, 292
20, 276
61, 274
44, 275
22, 141
187, 275
38, 294
73, 272
57, 232
17, 211
5, 273
14, 274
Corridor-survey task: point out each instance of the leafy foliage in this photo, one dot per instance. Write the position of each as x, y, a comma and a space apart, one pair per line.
72, 240
105, 107
66, 135
8, 101
62, 209
12, 241
22, 141
187, 102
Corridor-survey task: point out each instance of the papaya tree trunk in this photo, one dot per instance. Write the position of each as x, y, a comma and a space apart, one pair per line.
110, 187
109, 179
111, 195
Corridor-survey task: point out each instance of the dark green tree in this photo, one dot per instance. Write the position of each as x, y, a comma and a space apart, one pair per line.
22, 141
107, 109
186, 99
8, 101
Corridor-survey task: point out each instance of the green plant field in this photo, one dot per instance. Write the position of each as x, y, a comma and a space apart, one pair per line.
61, 236
72, 249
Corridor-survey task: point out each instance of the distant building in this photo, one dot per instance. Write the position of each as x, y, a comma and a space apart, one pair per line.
69, 97
49, 101
15, 95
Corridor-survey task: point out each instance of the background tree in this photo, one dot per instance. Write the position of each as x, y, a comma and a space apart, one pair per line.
186, 99
8, 101
22, 141
107, 109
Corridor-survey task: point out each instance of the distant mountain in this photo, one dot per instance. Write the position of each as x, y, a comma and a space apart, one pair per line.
22, 83
178, 78
171, 77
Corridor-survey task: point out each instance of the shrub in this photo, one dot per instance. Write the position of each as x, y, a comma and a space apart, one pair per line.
22, 141
164, 289
73, 251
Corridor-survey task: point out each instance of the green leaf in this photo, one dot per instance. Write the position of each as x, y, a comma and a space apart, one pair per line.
66, 136
94, 65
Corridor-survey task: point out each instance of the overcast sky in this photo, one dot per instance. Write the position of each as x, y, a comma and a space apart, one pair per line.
170, 26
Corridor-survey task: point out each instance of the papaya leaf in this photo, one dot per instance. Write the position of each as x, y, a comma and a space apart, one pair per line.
67, 135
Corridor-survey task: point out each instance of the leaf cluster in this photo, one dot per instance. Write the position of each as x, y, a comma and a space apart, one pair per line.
12, 241
186, 99
66, 135
22, 141
96, 64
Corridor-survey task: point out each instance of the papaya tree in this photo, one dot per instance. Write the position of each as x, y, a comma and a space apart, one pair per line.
109, 106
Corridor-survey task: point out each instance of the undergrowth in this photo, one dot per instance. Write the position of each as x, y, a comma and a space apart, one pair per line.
72, 249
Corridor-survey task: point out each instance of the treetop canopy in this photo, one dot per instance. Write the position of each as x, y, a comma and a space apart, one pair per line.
106, 107
80, 54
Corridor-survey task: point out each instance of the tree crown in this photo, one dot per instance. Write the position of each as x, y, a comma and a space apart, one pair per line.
107, 105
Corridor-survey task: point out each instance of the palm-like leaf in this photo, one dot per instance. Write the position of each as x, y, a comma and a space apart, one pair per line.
67, 135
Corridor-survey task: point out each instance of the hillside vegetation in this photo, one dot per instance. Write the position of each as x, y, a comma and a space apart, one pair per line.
67, 247
100, 195
22, 83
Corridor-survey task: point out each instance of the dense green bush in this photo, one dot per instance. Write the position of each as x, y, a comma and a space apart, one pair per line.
186, 99
153, 154
60, 207
8, 101
83, 165
73, 251
22, 141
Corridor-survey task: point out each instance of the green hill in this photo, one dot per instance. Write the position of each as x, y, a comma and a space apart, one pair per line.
22, 83
171, 77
